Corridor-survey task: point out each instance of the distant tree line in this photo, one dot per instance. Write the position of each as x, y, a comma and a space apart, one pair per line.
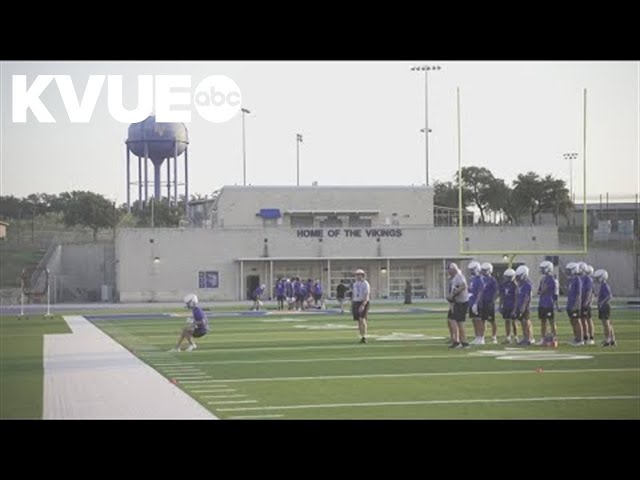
90, 210
527, 196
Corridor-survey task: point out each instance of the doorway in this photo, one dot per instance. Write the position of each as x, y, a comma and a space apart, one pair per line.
253, 282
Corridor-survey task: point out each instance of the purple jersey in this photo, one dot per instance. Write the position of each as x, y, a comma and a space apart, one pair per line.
604, 295
523, 296
508, 292
574, 297
546, 291
280, 289
587, 291
490, 290
200, 319
475, 289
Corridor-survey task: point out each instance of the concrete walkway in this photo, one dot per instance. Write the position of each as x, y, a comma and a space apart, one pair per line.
87, 375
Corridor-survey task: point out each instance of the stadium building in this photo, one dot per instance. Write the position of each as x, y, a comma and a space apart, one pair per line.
251, 235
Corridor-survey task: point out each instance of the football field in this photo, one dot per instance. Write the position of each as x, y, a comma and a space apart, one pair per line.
310, 366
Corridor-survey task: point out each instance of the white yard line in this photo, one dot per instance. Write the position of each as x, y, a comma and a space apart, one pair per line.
393, 357
228, 390
232, 402
87, 375
430, 402
254, 417
425, 374
216, 388
224, 396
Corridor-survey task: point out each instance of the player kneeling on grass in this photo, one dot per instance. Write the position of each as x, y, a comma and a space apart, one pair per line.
197, 325
604, 310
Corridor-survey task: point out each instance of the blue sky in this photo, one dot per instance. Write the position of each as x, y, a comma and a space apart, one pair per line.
361, 124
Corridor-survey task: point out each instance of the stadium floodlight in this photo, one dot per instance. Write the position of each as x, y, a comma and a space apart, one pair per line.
244, 148
571, 157
511, 254
426, 130
298, 142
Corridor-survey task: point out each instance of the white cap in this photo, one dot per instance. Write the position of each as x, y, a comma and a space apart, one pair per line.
360, 272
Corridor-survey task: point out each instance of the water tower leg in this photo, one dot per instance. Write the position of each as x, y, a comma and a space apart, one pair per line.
175, 174
186, 179
139, 183
128, 181
146, 172
157, 167
168, 180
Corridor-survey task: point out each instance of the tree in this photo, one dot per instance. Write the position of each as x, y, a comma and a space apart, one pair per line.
499, 198
478, 180
91, 210
556, 198
10, 207
538, 195
445, 194
157, 214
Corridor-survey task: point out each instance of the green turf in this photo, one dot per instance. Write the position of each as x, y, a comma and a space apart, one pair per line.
286, 370
21, 363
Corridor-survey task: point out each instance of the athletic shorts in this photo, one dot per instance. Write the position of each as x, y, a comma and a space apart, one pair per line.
585, 312
573, 314
604, 312
488, 313
507, 313
458, 312
523, 316
546, 313
199, 332
355, 310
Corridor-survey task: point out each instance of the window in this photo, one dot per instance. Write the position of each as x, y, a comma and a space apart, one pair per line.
398, 277
331, 222
302, 221
358, 221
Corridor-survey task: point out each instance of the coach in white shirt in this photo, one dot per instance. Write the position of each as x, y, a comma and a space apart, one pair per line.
360, 303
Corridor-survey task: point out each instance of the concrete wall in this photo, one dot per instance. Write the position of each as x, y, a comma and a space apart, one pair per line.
182, 253
78, 271
238, 206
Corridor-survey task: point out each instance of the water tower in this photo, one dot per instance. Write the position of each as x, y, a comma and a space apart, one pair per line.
157, 142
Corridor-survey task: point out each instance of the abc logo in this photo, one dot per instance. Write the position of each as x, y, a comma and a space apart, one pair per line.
217, 98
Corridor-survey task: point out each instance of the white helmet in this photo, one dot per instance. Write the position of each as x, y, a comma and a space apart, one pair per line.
582, 267
509, 273
588, 269
191, 300
546, 267
474, 267
486, 268
572, 268
601, 275
522, 272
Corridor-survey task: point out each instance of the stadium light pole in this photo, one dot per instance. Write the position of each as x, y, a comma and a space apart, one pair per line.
298, 142
244, 149
571, 156
426, 69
